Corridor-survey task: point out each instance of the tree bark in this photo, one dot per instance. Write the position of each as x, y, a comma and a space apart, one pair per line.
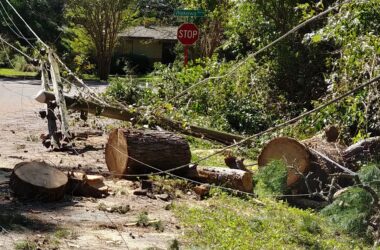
130, 152
39, 181
230, 178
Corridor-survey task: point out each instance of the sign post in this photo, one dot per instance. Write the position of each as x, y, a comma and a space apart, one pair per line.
187, 34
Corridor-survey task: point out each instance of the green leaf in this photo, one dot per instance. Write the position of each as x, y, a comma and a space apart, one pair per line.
317, 38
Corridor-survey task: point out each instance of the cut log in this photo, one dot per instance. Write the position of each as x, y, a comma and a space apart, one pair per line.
230, 178
81, 184
303, 161
39, 181
130, 152
292, 152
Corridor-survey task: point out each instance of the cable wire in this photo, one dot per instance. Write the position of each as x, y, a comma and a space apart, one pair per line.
13, 47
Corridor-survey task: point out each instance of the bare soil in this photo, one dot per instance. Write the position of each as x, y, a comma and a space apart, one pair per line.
76, 222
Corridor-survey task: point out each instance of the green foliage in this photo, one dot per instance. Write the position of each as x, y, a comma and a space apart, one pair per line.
232, 223
353, 33
45, 17
101, 20
370, 175
125, 90
158, 11
353, 208
350, 211
271, 179
349, 115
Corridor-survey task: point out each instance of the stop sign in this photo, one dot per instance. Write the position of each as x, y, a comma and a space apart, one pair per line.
188, 33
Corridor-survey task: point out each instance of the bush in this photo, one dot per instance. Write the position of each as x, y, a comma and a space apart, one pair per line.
126, 91
271, 179
352, 210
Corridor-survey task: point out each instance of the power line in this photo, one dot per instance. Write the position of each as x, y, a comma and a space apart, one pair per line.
13, 47
26, 24
19, 33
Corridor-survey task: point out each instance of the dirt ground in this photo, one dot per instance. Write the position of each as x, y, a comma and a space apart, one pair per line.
76, 222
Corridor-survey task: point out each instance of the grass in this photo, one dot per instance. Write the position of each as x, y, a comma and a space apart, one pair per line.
12, 73
228, 222
25, 245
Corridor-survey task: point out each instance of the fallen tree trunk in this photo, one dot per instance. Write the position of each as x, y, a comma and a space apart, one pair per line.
226, 177
130, 152
365, 150
125, 115
39, 181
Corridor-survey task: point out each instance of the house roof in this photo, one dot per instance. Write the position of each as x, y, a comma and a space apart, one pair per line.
151, 32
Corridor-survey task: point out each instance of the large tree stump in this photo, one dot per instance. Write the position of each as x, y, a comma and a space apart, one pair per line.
130, 152
39, 181
225, 177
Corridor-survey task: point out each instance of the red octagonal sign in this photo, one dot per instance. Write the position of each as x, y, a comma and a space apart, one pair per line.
188, 33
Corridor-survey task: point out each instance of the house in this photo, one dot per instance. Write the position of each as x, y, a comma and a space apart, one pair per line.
154, 42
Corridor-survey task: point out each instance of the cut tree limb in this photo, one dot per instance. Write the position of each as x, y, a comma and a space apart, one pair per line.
230, 178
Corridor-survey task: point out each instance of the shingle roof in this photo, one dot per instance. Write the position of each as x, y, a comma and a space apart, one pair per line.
152, 32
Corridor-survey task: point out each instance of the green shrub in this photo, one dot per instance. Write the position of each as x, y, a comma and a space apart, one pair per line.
19, 62
125, 90
370, 175
271, 179
350, 211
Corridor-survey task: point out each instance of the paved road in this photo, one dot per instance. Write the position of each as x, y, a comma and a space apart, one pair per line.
17, 96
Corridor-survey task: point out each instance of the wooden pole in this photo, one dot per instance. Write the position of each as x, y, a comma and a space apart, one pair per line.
44, 77
125, 115
58, 92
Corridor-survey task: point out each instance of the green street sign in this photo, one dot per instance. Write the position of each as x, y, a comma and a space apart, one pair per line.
193, 13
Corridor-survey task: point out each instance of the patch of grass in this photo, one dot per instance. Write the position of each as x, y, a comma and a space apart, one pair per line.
12, 73
25, 245
197, 143
228, 222
158, 225
174, 245
62, 233
143, 220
